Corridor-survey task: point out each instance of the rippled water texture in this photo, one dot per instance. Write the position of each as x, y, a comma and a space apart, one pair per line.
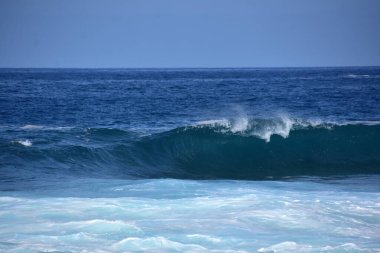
190, 160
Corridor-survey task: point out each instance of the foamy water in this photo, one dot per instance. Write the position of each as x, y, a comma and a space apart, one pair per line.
191, 216
26, 143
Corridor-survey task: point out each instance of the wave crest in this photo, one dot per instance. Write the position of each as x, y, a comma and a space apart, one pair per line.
252, 149
261, 128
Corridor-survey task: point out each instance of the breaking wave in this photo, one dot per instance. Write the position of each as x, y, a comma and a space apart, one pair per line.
246, 149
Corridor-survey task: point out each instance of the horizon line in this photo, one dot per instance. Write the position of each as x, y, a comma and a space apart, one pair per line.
266, 67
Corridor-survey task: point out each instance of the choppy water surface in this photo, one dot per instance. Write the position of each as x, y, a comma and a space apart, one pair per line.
198, 160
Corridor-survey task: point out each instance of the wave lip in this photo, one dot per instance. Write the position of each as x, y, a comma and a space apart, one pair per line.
276, 150
261, 128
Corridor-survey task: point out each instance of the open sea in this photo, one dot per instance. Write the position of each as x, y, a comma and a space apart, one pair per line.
190, 160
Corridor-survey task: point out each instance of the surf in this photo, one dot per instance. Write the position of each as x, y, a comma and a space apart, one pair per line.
242, 149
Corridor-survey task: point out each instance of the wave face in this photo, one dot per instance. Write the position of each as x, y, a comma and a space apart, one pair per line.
156, 123
245, 149
214, 152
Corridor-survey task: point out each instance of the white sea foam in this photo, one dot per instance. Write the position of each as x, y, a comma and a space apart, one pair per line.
197, 216
358, 122
32, 127
205, 237
40, 127
26, 143
239, 124
357, 76
235, 125
289, 246
261, 128
286, 247
158, 243
215, 122
281, 127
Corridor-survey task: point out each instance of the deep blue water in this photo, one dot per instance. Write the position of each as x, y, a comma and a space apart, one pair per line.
171, 98
259, 160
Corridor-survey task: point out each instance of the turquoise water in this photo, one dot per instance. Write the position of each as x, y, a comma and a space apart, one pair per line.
196, 160
169, 215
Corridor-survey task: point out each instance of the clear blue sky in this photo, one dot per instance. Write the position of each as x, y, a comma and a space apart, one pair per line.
192, 33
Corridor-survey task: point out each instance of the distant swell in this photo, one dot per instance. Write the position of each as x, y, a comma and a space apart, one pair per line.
211, 150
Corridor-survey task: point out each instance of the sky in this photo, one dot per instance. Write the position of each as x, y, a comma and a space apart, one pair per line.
189, 33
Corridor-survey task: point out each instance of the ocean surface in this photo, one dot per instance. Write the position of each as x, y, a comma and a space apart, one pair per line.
190, 160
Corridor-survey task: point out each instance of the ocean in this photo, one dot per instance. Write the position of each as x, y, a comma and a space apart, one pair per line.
190, 160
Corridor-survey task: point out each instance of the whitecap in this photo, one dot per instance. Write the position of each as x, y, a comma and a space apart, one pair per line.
48, 128
31, 127
240, 124
26, 143
266, 129
213, 123
357, 76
